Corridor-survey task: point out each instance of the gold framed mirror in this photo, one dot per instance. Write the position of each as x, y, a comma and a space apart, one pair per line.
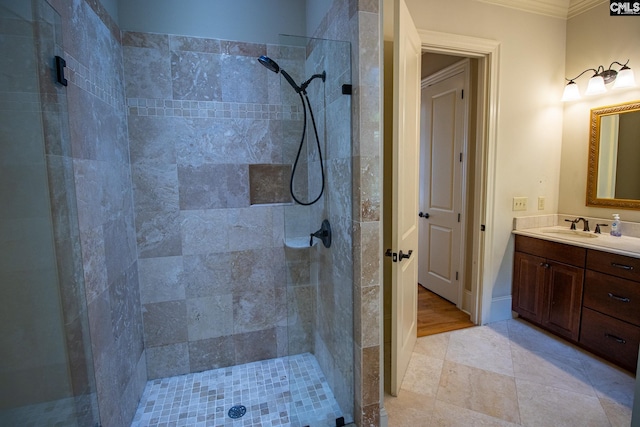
613, 175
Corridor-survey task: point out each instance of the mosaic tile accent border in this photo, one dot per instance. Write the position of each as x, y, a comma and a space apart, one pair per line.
287, 391
81, 76
211, 109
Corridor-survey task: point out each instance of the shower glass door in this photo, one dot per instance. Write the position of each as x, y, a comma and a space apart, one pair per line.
46, 374
319, 278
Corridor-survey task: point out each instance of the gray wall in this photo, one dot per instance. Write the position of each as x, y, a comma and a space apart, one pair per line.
238, 20
32, 336
111, 6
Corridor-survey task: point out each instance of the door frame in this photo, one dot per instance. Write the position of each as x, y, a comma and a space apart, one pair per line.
463, 66
488, 54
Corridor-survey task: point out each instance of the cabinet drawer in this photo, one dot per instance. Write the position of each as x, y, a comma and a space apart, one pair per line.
614, 264
560, 252
614, 296
611, 338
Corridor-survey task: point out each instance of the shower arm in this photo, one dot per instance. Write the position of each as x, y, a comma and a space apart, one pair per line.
303, 86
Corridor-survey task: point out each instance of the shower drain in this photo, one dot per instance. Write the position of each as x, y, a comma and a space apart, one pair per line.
237, 411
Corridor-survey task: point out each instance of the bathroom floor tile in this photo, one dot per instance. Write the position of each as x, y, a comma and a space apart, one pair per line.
509, 373
479, 390
544, 406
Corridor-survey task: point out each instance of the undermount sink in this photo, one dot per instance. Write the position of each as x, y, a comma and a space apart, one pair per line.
571, 233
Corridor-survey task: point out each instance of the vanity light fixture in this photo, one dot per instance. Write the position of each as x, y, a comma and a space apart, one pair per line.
623, 78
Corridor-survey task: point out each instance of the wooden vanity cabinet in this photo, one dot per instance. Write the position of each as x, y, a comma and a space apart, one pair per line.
611, 308
587, 296
548, 279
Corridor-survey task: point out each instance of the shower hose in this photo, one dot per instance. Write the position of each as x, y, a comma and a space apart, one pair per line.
304, 132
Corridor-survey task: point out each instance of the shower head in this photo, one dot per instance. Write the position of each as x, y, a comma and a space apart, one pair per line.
269, 63
273, 66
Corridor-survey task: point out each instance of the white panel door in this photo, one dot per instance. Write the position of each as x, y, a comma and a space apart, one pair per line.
406, 147
442, 139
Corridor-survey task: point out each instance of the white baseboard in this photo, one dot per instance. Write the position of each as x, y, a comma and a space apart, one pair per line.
500, 309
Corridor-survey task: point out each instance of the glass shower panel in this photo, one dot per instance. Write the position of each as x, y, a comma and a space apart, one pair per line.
46, 375
319, 278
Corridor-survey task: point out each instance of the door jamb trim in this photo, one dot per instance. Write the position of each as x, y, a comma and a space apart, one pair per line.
488, 51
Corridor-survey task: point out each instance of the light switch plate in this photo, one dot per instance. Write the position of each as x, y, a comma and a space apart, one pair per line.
520, 203
540, 203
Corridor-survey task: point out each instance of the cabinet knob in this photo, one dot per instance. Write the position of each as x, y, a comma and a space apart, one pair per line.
545, 264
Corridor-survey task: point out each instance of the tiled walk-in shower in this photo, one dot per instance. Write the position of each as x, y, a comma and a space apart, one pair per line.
147, 230
287, 391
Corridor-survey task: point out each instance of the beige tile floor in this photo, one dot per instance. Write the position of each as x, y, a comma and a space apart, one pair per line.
509, 374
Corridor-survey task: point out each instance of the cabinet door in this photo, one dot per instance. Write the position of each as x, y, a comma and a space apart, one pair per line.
528, 286
563, 299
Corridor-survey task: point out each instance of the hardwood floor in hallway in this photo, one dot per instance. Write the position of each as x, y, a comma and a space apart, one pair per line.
437, 315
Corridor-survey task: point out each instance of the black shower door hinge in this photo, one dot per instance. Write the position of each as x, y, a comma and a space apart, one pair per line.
60, 64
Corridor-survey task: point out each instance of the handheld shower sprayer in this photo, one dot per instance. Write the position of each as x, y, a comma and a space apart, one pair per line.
273, 66
300, 90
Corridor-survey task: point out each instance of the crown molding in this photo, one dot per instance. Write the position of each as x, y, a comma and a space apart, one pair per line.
564, 9
580, 6
553, 8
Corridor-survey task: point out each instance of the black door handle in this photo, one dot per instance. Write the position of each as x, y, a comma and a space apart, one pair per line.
423, 215
402, 256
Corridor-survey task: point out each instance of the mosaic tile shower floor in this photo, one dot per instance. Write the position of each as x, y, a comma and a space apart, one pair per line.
288, 391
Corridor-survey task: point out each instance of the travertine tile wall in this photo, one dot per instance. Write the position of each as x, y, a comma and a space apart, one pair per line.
103, 187
333, 268
64, 216
213, 267
358, 21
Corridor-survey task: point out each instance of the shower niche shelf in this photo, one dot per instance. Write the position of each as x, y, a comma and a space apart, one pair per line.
301, 242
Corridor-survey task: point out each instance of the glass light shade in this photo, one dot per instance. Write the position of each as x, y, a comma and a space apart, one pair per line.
596, 86
625, 79
571, 92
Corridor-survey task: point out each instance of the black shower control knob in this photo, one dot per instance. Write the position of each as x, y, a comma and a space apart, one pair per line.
423, 215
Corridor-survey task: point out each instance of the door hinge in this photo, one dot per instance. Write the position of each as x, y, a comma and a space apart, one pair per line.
460, 157
462, 94
393, 255
458, 217
482, 227
456, 275
60, 65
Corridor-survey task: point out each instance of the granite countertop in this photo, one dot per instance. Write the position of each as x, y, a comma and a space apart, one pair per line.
548, 229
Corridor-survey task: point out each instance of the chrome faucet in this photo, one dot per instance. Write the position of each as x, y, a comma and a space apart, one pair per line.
585, 223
